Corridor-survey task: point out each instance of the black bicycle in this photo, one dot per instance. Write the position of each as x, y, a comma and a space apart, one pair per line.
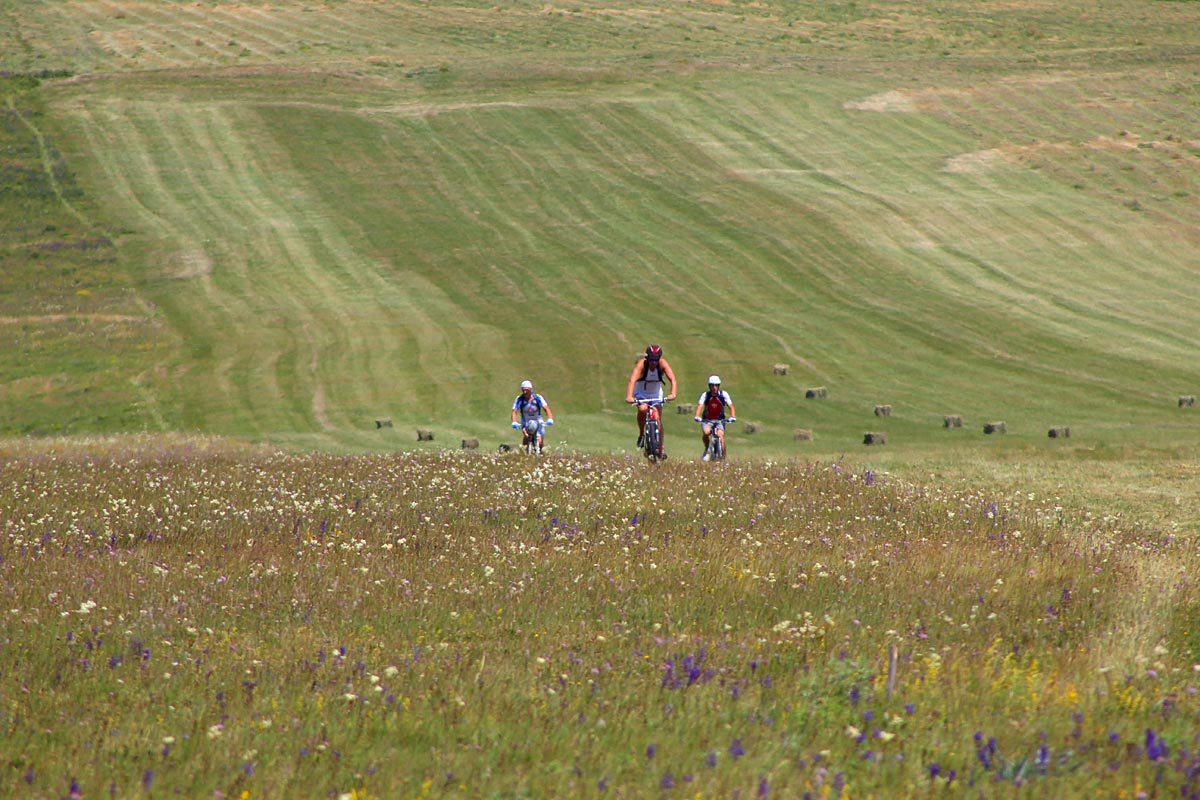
716, 444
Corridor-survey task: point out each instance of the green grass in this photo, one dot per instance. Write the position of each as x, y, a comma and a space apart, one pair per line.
332, 214
251, 230
198, 617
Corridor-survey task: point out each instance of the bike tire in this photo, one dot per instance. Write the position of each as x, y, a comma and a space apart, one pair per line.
652, 440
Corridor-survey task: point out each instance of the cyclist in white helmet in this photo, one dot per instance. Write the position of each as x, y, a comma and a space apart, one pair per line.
530, 408
711, 413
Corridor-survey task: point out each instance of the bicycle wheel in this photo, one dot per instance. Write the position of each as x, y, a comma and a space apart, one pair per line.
651, 439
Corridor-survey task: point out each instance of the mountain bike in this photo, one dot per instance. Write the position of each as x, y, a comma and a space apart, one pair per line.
716, 444
530, 444
652, 430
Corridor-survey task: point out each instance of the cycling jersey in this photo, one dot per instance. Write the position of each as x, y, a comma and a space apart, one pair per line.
650, 385
714, 404
531, 408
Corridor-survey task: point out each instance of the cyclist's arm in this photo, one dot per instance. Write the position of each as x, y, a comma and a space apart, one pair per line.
546, 410
633, 378
732, 412
669, 374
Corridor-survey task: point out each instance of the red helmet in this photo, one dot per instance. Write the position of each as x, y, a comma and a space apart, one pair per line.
653, 353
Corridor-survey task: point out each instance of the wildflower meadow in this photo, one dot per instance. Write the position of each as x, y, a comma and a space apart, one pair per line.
199, 619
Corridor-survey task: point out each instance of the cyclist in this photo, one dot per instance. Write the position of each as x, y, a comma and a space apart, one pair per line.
646, 387
530, 407
710, 413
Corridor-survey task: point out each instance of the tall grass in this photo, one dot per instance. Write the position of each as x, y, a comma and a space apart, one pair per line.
198, 618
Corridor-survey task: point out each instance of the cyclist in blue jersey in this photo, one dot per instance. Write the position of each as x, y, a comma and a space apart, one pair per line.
531, 414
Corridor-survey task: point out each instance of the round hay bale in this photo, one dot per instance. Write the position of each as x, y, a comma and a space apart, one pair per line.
816, 392
470, 444
424, 435
874, 438
683, 408
383, 423
1187, 401
952, 421
883, 411
780, 369
504, 448
750, 427
1060, 433
995, 427
802, 435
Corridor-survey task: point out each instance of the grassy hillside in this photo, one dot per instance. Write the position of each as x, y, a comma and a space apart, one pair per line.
284, 221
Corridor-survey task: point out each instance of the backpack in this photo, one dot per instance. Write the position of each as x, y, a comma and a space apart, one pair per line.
646, 369
708, 396
522, 402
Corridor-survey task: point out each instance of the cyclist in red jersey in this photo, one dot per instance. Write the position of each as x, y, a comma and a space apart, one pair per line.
711, 413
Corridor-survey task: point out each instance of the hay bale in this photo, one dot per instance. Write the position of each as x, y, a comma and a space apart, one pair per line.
952, 421
683, 408
383, 423
802, 435
995, 427
470, 444
883, 411
780, 369
874, 438
504, 448
816, 392
1187, 401
1060, 433
424, 435
750, 427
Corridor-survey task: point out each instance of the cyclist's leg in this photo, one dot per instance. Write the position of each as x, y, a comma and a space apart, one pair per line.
642, 408
541, 434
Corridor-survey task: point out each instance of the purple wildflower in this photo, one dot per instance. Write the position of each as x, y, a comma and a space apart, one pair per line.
736, 750
1156, 748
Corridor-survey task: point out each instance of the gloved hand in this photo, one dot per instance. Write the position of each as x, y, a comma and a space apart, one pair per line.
696, 418
516, 425
733, 419
549, 422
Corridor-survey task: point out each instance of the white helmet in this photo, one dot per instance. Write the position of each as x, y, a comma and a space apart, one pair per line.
526, 384
715, 379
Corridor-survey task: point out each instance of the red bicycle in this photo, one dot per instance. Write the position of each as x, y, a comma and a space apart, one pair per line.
652, 430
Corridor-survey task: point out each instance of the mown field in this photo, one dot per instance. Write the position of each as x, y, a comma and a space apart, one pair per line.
285, 221
234, 236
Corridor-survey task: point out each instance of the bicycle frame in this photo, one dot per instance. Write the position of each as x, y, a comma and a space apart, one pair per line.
716, 444
652, 428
